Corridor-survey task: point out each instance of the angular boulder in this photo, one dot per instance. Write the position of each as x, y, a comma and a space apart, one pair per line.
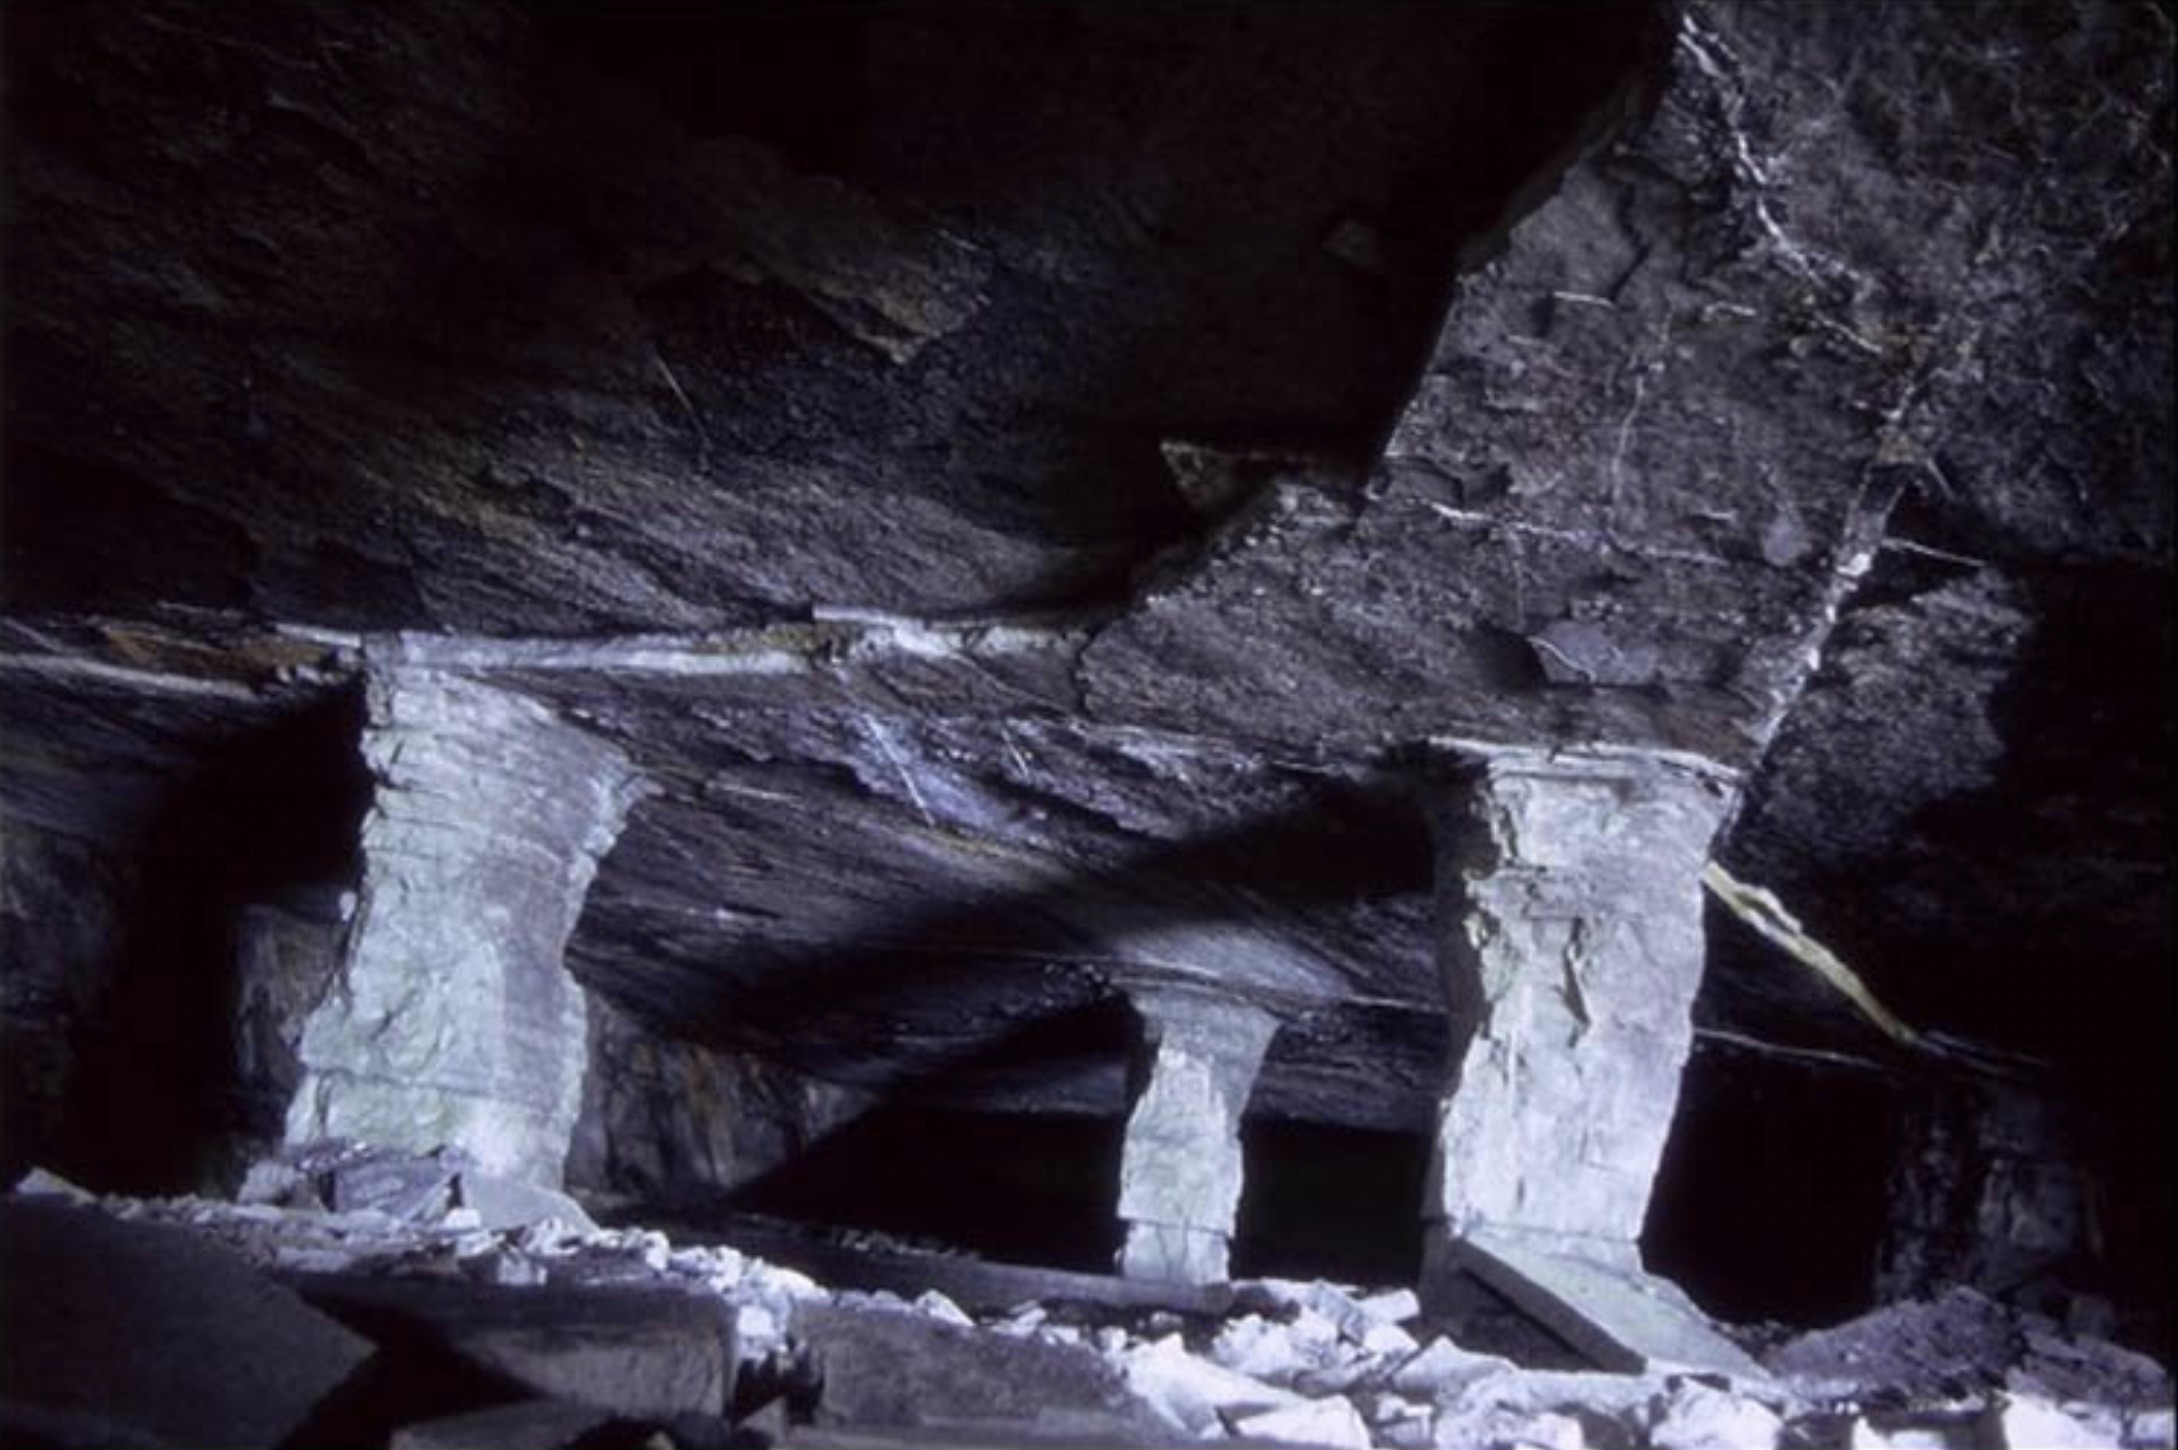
651, 1352
126, 1333
891, 1370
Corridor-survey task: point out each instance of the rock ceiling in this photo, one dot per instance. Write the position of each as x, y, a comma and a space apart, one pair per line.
1033, 487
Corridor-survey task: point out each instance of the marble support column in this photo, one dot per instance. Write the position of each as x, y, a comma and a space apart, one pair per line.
452, 1018
1180, 1170
1570, 945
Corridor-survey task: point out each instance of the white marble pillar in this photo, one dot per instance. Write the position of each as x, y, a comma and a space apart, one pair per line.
452, 1018
1180, 1169
1570, 943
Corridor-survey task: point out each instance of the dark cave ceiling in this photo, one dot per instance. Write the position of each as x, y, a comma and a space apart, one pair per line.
1026, 481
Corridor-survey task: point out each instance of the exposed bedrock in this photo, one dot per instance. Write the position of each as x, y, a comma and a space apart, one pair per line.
1025, 481
452, 1019
1180, 1169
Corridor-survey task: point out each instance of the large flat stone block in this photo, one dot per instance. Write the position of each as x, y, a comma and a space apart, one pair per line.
118, 1333
632, 1351
1596, 1297
886, 1369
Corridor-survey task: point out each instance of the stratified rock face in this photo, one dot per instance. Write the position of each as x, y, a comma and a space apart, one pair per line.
1020, 475
453, 1019
666, 1116
1986, 1189
1571, 944
1180, 1169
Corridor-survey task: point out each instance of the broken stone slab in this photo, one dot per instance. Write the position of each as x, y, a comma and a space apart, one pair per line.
890, 1371
1600, 1302
1387, 1340
1495, 1426
41, 1183
1332, 1422
1442, 1369
524, 1425
1920, 1346
655, 1352
408, 1187
1193, 1394
1268, 1350
977, 1285
1914, 1431
1696, 1416
930, 1302
2152, 1429
155, 1334
1393, 1306
504, 1203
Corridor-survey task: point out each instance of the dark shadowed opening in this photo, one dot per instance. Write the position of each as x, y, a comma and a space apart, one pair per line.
1025, 1188
1324, 1202
1770, 1203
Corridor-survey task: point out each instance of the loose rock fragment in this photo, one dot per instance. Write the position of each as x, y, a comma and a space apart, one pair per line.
1696, 1416
1191, 1393
1329, 1422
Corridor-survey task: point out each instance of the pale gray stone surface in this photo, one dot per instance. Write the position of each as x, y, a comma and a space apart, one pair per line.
453, 1019
1329, 1422
1192, 1393
1570, 938
1701, 1417
504, 1203
1180, 1168
1600, 1303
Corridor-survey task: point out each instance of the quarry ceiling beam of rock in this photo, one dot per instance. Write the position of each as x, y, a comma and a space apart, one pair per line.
1045, 500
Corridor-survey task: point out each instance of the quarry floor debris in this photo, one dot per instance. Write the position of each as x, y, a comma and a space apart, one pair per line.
445, 1308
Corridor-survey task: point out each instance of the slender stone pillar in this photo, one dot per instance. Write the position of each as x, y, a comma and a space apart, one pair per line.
1570, 942
452, 1019
1180, 1168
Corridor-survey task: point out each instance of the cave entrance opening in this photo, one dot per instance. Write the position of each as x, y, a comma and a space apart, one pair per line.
1016, 1187
1330, 1202
1773, 1195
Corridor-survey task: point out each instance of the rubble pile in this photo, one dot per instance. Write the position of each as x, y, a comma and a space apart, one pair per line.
485, 1312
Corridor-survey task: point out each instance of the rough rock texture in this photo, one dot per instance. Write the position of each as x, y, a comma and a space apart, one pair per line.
1180, 1169
1989, 1189
1572, 951
1026, 481
1069, 1367
668, 1119
453, 1019
154, 800
885, 1368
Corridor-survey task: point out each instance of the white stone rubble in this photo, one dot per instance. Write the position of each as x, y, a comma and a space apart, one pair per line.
1193, 1394
1330, 1422
1314, 1364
